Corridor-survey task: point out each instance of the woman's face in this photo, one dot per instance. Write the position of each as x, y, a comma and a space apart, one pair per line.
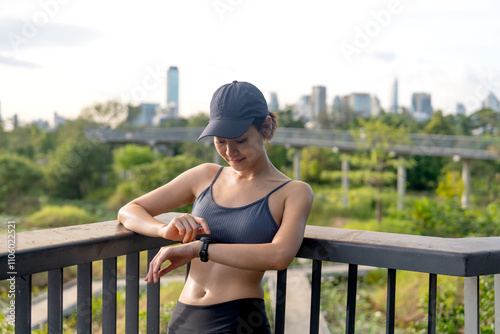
243, 151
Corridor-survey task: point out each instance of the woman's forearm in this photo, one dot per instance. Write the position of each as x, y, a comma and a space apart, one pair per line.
268, 256
134, 217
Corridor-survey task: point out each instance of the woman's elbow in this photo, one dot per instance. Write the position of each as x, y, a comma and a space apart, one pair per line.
282, 261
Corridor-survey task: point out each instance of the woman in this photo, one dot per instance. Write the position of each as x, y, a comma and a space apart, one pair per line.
246, 218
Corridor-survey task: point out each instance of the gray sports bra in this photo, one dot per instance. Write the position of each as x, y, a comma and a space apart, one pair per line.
249, 224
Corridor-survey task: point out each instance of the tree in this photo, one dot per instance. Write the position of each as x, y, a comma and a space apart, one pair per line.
76, 168
439, 125
18, 175
108, 114
199, 120
485, 121
377, 164
132, 155
287, 120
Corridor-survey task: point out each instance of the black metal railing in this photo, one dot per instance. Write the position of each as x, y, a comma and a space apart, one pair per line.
54, 249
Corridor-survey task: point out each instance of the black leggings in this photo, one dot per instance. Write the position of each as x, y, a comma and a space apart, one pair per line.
242, 316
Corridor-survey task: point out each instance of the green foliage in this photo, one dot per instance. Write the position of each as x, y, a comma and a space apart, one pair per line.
77, 167
153, 175
439, 219
315, 160
451, 187
108, 114
198, 120
132, 155
287, 120
5, 326
124, 193
369, 318
59, 216
424, 172
450, 315
439, 125
18, 175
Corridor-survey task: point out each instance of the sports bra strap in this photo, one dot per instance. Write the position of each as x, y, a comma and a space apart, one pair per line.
216, 176
278, 187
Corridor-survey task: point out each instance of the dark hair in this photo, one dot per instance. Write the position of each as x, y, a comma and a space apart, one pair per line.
259, 122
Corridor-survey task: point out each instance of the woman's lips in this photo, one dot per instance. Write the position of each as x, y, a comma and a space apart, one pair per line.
236, 161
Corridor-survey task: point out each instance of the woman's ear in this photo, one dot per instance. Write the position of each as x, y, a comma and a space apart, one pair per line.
267, 127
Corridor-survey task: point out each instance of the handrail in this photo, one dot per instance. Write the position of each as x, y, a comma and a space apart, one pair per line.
53, 249
44, 250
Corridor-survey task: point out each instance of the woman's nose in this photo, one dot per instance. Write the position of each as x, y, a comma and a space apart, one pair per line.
230, 150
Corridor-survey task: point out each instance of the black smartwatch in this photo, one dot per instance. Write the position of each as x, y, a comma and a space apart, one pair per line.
205, 241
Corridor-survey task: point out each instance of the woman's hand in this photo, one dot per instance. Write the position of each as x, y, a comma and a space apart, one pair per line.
176, 255
185, 228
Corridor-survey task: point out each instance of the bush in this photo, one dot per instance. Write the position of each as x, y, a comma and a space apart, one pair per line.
150, 176
58, 216
18, 175
123, 194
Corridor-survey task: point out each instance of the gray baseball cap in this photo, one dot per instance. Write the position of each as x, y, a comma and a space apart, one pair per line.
233, 109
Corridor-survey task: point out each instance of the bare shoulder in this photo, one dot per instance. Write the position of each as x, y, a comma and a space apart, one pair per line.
201, 175
299, 191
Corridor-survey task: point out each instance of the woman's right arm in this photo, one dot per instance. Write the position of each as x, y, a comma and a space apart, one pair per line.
138, 215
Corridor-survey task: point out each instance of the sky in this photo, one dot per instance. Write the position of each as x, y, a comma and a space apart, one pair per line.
64, 55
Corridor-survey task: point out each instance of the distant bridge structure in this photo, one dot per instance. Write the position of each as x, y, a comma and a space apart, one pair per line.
460, 148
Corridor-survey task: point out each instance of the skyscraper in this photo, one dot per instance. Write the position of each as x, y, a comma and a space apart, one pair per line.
273, 104
173, 92
361, 104
394, 98
318, 102
491, 102
421, 106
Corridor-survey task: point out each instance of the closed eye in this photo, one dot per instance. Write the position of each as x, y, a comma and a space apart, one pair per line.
241, 141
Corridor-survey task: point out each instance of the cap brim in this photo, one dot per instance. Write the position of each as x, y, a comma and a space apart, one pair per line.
225, 128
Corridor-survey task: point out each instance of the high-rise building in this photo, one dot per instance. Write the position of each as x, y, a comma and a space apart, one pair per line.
58, 120
318, 102
173, 92
145, 115
361, 104
375, 107
421, 105
273, 104
394, 97
303, 109
491, 102
460, 109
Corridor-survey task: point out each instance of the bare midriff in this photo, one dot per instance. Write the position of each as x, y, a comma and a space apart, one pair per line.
213, 283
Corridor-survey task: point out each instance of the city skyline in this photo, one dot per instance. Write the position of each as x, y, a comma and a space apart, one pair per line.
59, 56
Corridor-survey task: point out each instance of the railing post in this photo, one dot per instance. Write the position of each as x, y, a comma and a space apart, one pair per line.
497, 304
84, 299
352, 287
431, 312
391, 300
55, 301
471, 304
109, 269
132, 294
279, 319
23, 304
153, 301
315, 297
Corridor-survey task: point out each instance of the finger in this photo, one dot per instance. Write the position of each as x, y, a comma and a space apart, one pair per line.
168, 268
204, 226
179, 225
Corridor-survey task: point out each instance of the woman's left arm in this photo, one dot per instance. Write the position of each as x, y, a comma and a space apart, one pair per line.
276, 255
